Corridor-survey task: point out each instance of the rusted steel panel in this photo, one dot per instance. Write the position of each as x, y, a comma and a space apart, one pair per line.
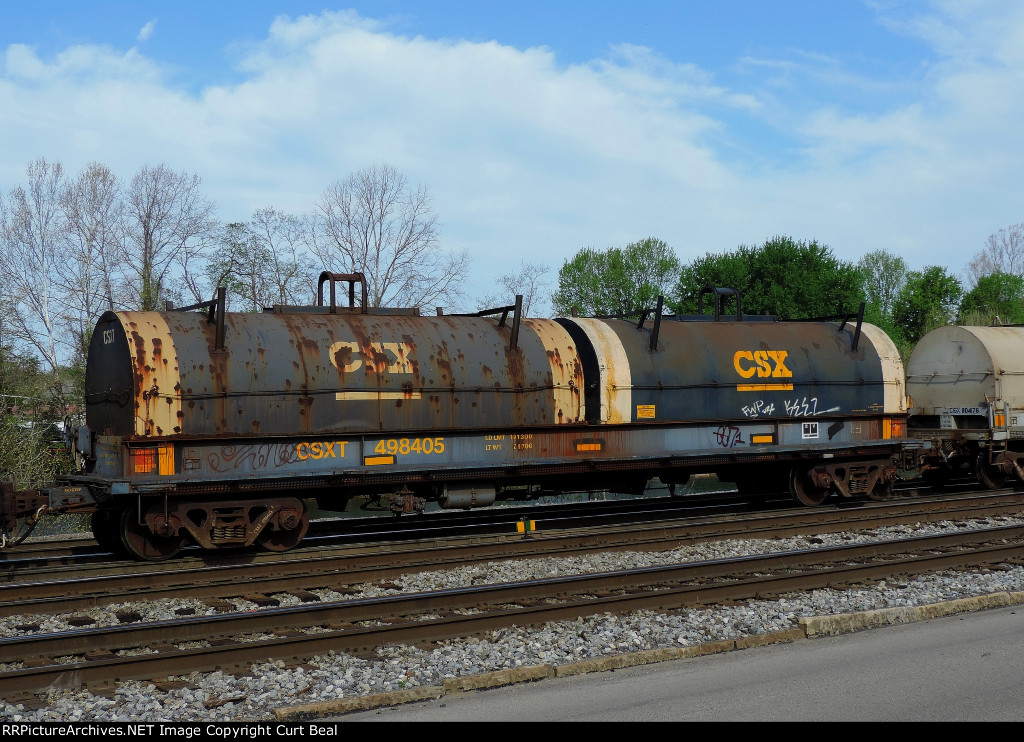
306, 373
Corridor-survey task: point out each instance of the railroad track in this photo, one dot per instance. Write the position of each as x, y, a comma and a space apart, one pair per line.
95, 656
82, 549
68, 590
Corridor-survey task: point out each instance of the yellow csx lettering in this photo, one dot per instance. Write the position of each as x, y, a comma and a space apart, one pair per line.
377, 356
764, 363
321, 450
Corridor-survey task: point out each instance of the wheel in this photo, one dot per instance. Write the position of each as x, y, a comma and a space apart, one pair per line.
142, 543
990, 476
285, 538
804, 490
106, 529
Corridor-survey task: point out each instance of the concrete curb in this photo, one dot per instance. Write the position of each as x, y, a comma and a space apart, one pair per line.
844, 623
809, 628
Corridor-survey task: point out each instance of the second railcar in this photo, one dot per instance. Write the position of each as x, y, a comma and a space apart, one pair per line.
966, 390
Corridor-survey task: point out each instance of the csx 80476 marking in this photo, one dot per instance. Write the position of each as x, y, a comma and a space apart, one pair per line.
409, 445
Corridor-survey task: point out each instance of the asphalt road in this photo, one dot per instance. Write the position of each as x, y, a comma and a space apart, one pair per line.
968, 667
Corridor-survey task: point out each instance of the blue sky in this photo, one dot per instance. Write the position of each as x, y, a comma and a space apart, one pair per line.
544, 127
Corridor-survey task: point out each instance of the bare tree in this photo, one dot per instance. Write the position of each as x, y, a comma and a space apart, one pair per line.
32, 233
1003, 253
168, 224
373, 222
90, 272
530, 282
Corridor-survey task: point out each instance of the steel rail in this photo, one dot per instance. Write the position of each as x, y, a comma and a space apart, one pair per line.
107, 639
348, 569
236, 657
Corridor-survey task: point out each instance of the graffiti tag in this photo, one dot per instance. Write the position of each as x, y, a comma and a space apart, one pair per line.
728, 436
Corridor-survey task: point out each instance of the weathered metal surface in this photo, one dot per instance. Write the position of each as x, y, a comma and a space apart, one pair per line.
383, 463
966, 367
894, 391
966, 392
608, 373
744, 370
159, 374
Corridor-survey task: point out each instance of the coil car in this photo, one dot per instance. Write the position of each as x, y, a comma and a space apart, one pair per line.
215, 428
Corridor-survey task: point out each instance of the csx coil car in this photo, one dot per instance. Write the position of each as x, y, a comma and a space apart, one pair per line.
966, 391
214, 427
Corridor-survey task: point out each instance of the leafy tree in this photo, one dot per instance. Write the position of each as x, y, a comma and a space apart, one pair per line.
929, 299
616, 281
374, 223
264, 262
995, 295
31, 451
884, 275
783, 277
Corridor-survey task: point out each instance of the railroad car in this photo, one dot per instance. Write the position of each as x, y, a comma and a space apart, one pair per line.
213, 427
966, 395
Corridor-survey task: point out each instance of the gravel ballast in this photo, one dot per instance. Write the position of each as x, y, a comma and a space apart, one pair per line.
273, 686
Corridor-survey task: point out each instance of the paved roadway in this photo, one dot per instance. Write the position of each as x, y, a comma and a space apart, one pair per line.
968, 667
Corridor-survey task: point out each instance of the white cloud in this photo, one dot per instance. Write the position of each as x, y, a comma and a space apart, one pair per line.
146, 31
529, 159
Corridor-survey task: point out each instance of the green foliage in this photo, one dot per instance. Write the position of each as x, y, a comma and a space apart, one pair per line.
31, 449
789, 279
929, 299
883, 276
238, 247
616, 281
996, 295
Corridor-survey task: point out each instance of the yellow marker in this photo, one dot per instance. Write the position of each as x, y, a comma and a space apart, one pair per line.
526, 526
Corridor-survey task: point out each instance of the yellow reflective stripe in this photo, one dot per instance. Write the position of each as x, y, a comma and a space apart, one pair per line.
165, 458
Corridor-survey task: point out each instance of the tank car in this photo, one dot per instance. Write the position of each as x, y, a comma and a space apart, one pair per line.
215, 428
966, 394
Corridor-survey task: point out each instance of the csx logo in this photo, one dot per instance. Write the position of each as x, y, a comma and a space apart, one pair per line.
108, 336
321, 450
379, 357
764, 363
